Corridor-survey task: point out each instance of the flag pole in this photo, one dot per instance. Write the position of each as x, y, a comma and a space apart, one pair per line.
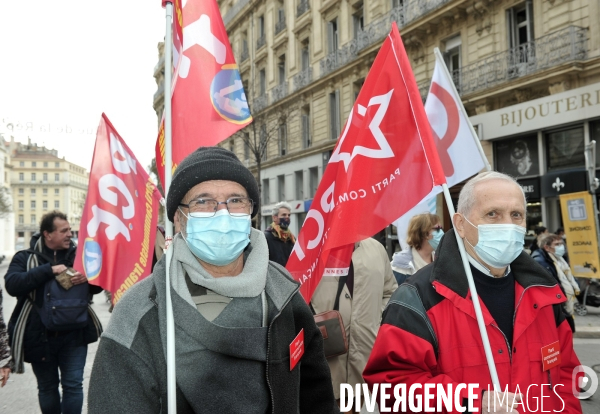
475, 299
171, 374
440, 59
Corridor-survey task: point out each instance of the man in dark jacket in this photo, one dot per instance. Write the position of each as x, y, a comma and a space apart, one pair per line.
429, 333
30, 275
245, 340
279, 237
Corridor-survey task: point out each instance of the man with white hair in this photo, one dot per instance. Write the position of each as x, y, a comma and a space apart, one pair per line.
429, 333
279, 237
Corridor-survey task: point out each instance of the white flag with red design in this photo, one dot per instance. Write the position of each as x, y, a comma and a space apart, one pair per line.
457, 145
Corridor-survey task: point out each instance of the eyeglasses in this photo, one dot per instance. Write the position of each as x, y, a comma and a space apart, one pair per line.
437, 228
235, 205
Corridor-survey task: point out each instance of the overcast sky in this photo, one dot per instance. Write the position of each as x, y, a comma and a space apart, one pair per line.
64, 63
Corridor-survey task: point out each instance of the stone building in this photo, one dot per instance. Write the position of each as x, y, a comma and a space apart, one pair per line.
528, 72
42, 182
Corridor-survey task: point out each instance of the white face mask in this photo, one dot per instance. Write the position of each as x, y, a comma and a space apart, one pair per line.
499, 244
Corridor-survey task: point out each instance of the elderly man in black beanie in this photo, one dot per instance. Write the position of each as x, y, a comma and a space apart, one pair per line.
245, 339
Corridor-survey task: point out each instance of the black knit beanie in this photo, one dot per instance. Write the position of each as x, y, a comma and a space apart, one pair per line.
205, 164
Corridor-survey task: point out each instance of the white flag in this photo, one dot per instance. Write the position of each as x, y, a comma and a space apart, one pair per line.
457, 144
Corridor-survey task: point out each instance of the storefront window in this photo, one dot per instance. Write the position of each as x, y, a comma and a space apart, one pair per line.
565, 149
595, 135
517, 157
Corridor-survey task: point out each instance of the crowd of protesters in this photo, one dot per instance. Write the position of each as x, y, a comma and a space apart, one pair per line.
238, 311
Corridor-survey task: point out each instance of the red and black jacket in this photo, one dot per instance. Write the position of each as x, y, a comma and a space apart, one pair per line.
429, 334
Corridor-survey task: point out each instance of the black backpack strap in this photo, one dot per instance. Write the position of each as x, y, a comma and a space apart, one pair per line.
336, 304
342, 282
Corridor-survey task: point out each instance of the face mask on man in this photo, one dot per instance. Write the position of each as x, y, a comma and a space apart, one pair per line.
499, 244
437, 236
217, 239
284, 223
559, 250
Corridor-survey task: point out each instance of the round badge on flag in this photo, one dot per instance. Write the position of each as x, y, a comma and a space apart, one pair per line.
92, 258
228, 97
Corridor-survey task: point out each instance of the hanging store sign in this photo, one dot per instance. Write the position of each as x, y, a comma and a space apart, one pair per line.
580, 229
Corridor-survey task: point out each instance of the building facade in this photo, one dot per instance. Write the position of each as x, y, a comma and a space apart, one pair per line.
42, 182
303, 63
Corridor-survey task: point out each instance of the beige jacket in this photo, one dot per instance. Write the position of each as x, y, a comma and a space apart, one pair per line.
374, 283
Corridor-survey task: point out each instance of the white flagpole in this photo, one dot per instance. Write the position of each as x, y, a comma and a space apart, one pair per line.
442, 64
484, 336
461, 246
171, 374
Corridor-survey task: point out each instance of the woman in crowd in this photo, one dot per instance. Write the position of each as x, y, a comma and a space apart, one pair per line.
424, 235
550, 256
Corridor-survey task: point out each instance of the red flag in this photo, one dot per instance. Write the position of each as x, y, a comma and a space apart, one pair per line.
118, 227
384, 163
208, 101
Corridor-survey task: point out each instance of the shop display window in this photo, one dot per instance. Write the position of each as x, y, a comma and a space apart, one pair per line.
565, 149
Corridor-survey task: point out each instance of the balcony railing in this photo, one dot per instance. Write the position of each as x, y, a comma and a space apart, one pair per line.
279, 26
231, 13
260, 103
261, 41
303, 78
302, 8
413, 9
379, 28
565, 45
245, 54
279, 92
339, 58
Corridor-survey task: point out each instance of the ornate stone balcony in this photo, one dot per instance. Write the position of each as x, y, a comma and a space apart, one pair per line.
261, 41
339, 58
303, 78
565, 45
303, 7
231, 13
279, 26
259, 103
279, 92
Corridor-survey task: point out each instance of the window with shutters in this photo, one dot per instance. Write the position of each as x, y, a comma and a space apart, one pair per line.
332, 36
282, 137
305, 119
334, 114
452, 59
299, 177
520, 38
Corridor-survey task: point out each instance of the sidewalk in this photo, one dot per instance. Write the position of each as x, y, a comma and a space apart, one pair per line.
588, 326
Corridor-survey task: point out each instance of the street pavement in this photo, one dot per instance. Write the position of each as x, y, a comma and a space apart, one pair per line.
19, 396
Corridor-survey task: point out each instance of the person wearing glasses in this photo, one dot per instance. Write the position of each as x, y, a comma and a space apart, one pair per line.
245, 339
424, 235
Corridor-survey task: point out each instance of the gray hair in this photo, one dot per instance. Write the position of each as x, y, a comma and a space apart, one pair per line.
280, 205
466, 200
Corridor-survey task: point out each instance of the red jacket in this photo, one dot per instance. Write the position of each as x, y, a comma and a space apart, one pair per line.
429, 334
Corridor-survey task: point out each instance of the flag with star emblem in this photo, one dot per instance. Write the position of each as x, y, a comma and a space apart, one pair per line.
384, 163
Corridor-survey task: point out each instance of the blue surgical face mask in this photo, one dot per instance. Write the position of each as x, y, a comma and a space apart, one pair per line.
499, 244
437, 236
219, 239
559, 250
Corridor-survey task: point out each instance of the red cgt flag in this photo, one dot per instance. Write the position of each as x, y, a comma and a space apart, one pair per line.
118, 226
384, 163
208, 101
